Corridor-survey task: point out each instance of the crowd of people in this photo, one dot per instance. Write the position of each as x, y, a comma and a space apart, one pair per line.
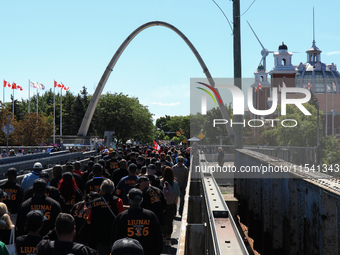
123, 204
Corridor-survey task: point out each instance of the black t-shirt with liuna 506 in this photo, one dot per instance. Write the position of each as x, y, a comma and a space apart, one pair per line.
80, 214
50, 191
142, 225
14, 196
47, 205
26, 244
93, 185
153, 200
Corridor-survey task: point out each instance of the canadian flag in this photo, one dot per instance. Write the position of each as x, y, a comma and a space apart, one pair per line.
256, 89
260, 86
7, 84
156, 146
19, 87
64, 87
14, 86
57, 85
334, 87
309, 86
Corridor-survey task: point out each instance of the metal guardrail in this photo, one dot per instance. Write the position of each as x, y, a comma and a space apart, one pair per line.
207, 225
14, 159
46, 161
49, 170
225, 235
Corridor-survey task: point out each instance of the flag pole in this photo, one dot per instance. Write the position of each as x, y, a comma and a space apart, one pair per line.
54, 115
332, 110
29, 96
326, 110
258, 102
13, 101
4, 92
61, 112
37, 100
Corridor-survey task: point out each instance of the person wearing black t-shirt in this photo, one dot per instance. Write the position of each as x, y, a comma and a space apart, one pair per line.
153, 198
65, 229
127, 183
39, 201
50, 191
112, 162
14, 192
151, 174
26, 244
69, 191
120, 172
102, 213
93, 185
140, 224
57, 172
86, 174
80, 212
77, 177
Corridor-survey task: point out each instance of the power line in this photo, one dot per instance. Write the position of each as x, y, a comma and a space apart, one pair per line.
248, 8
224, 16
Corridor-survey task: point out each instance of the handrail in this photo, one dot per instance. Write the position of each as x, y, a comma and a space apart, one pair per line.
46, 161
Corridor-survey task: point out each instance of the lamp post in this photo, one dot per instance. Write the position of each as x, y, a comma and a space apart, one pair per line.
237, 66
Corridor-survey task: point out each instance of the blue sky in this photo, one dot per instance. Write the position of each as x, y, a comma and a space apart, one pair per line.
73, 41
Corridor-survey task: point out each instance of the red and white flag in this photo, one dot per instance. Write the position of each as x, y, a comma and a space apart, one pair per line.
14, 86
256, 89
7, 84
20, 88
64, 87
260, 86
57, 85
334, 87
156, 146
309, 86
41, 86
33, 84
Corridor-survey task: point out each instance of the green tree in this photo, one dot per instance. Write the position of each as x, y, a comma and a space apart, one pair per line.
68, 124
77, 114
330, 153
32, 130
304, 133
124, 115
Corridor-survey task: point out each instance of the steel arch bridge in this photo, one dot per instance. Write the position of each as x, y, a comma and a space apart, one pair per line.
95, 98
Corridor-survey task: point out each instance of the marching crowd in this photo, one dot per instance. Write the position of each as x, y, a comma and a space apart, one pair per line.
123, 204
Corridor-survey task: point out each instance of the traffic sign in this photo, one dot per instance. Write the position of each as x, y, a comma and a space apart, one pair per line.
201, 136
8, 128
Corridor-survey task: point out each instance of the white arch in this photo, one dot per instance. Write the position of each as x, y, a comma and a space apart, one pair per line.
95, 98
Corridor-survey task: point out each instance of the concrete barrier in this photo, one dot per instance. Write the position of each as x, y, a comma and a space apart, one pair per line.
296, 214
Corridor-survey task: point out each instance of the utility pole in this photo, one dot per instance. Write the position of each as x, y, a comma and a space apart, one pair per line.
237, 69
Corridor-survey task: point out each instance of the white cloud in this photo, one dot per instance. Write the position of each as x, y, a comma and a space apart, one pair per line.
333, 53
182, 91
166, 104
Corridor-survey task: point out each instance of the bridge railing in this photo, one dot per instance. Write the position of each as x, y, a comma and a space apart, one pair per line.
207, 224
47, 160
83, 161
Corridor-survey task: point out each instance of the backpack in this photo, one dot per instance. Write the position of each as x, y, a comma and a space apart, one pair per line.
169, 194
